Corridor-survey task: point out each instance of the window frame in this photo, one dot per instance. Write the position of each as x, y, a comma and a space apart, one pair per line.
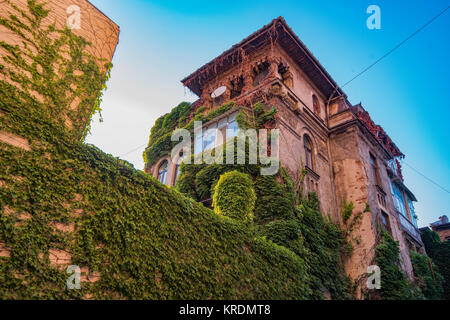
375, 170
162, 174
385, 220
309, 161
316, 105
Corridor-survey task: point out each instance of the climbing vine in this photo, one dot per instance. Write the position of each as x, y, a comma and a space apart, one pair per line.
66, 203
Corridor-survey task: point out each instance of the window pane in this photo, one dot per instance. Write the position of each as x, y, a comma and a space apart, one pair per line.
413, 214
398, 199
198, 146
232, 129
162, 172
210, 138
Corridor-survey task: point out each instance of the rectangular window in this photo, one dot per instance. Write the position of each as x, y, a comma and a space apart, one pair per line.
232, 129
397, 196
222, 128
374, 168
209, 141
385, 222
198, 145
411, 211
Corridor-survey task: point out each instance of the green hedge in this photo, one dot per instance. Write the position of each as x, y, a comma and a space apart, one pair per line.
319, 241
234, 196
144, 240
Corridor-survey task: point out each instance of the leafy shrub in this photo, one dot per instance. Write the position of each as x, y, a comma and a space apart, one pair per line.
439, 252
427, 277
273, 200
320, 242
394, 283
234, 196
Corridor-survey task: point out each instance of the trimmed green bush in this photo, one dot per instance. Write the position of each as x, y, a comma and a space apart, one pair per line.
234, 196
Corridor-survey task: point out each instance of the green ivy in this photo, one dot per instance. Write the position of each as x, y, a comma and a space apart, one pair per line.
427, 276
439, 252
181, 117
395, 285
142, 239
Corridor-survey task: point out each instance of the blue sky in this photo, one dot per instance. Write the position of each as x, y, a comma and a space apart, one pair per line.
161, 42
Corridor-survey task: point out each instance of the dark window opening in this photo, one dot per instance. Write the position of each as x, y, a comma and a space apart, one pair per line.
162, 172
236, 87
316, 105
308, 152
261, 73
375, 171
385, 223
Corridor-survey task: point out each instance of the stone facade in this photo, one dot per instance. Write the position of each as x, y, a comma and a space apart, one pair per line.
353, 159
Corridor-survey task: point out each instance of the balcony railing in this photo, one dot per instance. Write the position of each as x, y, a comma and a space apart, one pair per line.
409, 227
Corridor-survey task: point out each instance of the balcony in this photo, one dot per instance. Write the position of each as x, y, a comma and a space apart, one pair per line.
409, 228
394, 169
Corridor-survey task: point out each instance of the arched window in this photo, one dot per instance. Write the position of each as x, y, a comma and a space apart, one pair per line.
308, 151
162, 172
177, 167
316, 105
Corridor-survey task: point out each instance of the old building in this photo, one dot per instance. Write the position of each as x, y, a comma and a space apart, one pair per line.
348, 157
442, 227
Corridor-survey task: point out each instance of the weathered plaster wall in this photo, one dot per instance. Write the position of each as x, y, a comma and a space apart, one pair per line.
292, 130
366, 148
303, 87
351, 184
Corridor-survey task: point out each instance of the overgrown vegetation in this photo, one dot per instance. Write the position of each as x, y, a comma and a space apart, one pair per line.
181, 117
427, 276
132, 237
395, 285
439, 252
283, 213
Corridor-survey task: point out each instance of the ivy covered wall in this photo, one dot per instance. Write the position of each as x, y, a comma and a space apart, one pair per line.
66, 203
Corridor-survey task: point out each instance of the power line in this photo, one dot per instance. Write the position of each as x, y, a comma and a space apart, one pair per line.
363, 71
135, 149
424, 176
397, 46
